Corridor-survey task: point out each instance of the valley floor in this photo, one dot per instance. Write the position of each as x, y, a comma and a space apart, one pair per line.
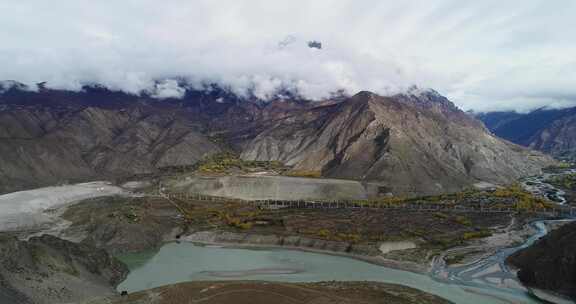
403, 239
121, 225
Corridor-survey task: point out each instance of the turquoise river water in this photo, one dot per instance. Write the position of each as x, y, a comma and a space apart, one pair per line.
183, 262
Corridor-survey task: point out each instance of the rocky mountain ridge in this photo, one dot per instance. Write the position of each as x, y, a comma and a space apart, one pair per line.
417, 142
549, 130
385, 139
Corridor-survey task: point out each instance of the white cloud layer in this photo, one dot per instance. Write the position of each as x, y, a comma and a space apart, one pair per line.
484, 55
168, 88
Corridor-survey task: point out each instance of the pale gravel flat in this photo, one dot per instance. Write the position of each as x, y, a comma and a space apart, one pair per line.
26, 209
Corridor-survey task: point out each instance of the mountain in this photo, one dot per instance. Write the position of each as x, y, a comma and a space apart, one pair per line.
408, 146
46, 269
68, 137
549, 130
417, 142
550, 264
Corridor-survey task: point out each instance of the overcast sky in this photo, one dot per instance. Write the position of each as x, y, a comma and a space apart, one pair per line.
484, 55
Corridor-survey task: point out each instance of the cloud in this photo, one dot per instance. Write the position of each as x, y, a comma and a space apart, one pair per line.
484, 55
168, 88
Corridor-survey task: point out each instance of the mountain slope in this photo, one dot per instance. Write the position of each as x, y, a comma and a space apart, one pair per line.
417, 142
43, 145
47, 269
407, 147
550, 264
548, 130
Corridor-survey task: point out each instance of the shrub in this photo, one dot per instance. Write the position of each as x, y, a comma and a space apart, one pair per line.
440, 215
462, 221
304, 173
476, 234
524, 201
349, 237
323, 233
222, 162
244, 226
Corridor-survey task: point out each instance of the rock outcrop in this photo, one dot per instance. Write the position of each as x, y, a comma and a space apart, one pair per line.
47, 270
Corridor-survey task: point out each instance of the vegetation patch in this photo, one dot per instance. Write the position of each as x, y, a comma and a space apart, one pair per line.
476, 234
462, 220
562, 165
523, 200
566, 182
455, 259
304, 173
226, 162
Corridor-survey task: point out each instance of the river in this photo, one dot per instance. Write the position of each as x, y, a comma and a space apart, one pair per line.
484, 281
188, 262
538, 186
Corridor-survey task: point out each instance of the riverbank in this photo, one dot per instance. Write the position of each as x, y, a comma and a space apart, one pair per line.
363, 253
209, 263
259, 245
254, 292
136, 224
513, 235
123, 224
547, 266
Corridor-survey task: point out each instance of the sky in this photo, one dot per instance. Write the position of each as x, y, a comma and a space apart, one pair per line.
484, 55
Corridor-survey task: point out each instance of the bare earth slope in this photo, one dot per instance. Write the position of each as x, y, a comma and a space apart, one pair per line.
41, 145
418, 142
278, 293
549, 130
48, 270
559, 138
407, 146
